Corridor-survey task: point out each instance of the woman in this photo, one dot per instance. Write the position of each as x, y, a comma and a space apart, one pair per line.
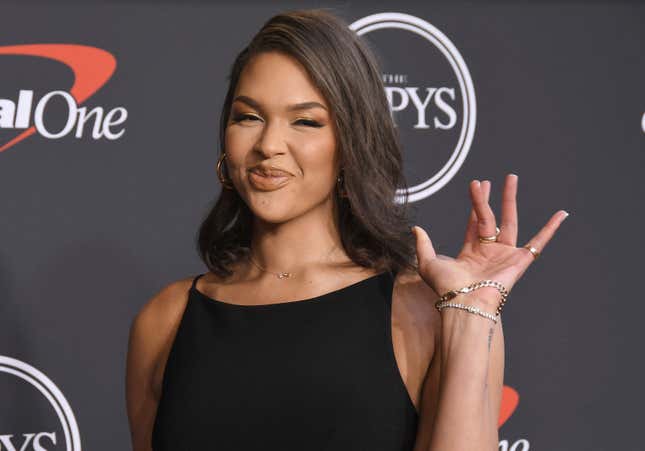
316, 325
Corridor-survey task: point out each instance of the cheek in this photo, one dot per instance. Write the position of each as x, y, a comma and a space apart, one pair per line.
238, 143
317, 161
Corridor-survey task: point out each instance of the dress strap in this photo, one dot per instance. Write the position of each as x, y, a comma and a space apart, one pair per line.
192, 287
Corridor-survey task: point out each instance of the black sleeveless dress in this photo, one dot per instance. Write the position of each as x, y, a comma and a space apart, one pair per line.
313, 374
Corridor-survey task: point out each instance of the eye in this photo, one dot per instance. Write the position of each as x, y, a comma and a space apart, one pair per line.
309, 123
244, 116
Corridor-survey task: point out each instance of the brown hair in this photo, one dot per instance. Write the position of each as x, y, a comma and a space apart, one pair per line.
373, 227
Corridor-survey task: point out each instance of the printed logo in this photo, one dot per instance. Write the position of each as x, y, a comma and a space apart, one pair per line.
431, 97
57, 427
92, 68
510, 400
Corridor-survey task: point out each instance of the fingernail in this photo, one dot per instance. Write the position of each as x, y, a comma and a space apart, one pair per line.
566, 213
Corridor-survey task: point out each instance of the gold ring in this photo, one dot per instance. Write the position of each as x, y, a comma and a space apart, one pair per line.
490, 239
532, 250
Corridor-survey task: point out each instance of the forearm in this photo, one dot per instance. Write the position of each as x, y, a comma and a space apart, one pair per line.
466, 415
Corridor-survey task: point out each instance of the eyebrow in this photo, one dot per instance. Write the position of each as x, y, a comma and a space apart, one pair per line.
294, 107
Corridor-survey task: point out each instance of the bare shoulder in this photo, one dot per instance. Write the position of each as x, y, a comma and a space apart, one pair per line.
164, 307
154, 327
151, 334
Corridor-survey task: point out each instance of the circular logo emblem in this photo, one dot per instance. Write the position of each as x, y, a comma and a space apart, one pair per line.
64, 435
431, 97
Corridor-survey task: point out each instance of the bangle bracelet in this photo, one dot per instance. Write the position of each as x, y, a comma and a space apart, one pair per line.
469, 308
473, 286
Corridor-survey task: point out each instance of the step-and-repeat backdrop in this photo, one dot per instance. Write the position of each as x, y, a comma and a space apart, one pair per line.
108, 145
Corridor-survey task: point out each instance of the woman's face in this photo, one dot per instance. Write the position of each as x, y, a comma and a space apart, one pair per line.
280, 140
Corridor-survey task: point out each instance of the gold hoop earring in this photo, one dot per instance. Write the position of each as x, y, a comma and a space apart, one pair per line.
225, 183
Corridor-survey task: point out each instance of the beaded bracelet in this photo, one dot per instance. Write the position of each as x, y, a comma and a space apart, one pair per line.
484, 283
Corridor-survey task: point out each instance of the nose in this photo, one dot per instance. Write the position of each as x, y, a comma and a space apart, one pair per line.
272, 140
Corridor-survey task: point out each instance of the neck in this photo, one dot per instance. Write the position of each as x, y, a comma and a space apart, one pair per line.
310, 241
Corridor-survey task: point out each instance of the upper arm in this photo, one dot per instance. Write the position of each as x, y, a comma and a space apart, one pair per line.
430, 392
415, 311
151, 331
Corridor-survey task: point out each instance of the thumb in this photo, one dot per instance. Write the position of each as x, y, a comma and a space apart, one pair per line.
425, 250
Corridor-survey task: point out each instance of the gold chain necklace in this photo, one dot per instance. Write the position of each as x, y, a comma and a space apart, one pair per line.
281, 275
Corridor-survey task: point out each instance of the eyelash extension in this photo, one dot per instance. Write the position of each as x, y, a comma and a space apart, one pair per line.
307, 122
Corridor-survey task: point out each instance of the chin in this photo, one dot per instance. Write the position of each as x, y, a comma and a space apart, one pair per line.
273, 211
272, 217
277, 208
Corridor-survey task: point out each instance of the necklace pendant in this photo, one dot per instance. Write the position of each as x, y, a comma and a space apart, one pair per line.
284, 275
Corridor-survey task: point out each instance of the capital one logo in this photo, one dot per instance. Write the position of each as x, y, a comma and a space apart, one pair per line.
92, 68
61, 429
431, 97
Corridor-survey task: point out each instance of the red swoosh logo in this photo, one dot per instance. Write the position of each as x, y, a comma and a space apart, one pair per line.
510, 400
92, 68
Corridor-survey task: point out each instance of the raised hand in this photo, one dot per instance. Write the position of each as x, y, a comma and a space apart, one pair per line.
500, 260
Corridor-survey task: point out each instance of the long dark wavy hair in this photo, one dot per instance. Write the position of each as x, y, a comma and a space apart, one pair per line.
373, 227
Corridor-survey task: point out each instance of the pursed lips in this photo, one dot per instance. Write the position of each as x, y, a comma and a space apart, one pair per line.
271, 172
268, 179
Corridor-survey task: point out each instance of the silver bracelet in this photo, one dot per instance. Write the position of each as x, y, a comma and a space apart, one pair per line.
469, 308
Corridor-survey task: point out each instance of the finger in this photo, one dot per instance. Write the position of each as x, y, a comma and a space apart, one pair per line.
485, 215
508, 227
486, 190
471, 228
543, 237
425, 249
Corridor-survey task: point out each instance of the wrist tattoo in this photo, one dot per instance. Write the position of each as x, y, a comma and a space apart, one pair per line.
490, 337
